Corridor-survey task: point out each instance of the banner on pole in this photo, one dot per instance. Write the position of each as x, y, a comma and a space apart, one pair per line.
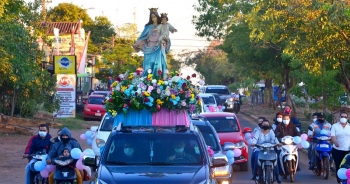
64, 64
66, 91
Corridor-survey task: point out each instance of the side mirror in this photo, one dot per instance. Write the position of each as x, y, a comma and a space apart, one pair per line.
89, 161
247, 129
229, 146
219, 160
310, 128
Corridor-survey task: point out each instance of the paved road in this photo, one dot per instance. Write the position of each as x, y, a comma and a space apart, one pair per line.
302, 177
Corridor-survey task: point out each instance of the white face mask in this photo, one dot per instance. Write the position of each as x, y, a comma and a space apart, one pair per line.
286, 121
279, 120
343, 120
42, 134
315, 119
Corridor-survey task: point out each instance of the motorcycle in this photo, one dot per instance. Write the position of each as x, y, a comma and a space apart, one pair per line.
236, 106
267, 160
37, 176
65, 171
288, 157
322, 156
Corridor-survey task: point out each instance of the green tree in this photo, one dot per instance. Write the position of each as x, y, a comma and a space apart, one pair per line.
101, 30
68, 12
23, 83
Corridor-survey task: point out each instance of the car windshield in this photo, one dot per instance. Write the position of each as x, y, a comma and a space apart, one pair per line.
107, 123
224, 124
209, 137
208, 100
96, 100
104, 94
220, 91
154, 149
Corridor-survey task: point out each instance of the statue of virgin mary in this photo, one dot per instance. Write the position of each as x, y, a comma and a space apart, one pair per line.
149, 44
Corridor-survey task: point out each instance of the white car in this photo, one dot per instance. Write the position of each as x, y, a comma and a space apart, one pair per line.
208, 99
101, 133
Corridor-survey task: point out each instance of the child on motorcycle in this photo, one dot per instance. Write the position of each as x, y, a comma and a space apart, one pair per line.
264, 135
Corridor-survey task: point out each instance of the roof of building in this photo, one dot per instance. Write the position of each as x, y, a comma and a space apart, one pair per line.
64, 27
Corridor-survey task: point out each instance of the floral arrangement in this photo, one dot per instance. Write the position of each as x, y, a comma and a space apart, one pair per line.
138, 92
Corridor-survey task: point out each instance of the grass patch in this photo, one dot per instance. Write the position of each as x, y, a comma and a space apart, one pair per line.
73, 123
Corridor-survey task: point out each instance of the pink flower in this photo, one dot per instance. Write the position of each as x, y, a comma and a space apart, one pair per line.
210, 151
183, 103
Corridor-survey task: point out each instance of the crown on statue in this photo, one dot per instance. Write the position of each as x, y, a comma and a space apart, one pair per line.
153, 9
163, 15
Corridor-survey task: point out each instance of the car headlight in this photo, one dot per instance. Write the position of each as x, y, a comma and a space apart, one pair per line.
239, 144
99, 181
86, 108
100, 143
221, 171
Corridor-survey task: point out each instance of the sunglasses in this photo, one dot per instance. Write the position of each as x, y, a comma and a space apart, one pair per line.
343, 116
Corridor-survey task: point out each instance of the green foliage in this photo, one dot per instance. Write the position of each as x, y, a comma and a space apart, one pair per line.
68, 12
23, 83
101, 30
220, 70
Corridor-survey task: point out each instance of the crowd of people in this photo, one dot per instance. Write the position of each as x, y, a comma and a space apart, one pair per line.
285, 124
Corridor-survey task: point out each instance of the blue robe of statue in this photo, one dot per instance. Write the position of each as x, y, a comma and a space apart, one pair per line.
154, 54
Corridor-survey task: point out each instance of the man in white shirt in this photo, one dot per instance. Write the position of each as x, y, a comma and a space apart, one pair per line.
340, 134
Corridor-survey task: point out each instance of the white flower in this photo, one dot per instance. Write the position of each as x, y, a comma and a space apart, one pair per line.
107, 98
159, 91
117, 88
175, 79
149, 70
166, 83
154, 81
201, 82
121, 76
167, 93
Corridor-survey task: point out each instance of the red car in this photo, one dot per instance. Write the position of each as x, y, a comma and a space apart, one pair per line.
94, 107
229, 129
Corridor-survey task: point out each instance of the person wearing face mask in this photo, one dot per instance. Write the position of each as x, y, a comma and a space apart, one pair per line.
265, 135
38, 143
294, 120
128, 150
180, 156
277, 120
57, 149
340, 134
286, 129
260, 120
316, 127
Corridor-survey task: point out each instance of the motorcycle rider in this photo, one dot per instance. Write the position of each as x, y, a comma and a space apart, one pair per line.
260, 120
314, 130
277, 120
36, 144
265, 134
294, 120
286, 129
57, 149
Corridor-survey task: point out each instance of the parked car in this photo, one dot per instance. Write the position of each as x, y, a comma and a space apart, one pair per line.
208, 100
221, 174
229, 129
147, 155
94, 107
221, 90
102, 133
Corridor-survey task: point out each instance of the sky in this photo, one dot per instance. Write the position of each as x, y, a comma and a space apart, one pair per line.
119, 12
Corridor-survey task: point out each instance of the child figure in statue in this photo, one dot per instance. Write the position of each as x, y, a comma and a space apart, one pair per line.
164, 28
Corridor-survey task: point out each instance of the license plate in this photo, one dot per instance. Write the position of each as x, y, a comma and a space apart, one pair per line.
324, 145
97, 114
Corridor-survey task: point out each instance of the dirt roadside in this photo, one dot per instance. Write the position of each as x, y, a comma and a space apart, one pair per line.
12, 148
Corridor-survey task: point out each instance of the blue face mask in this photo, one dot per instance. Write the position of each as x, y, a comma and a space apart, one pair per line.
128, 151
180, 150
